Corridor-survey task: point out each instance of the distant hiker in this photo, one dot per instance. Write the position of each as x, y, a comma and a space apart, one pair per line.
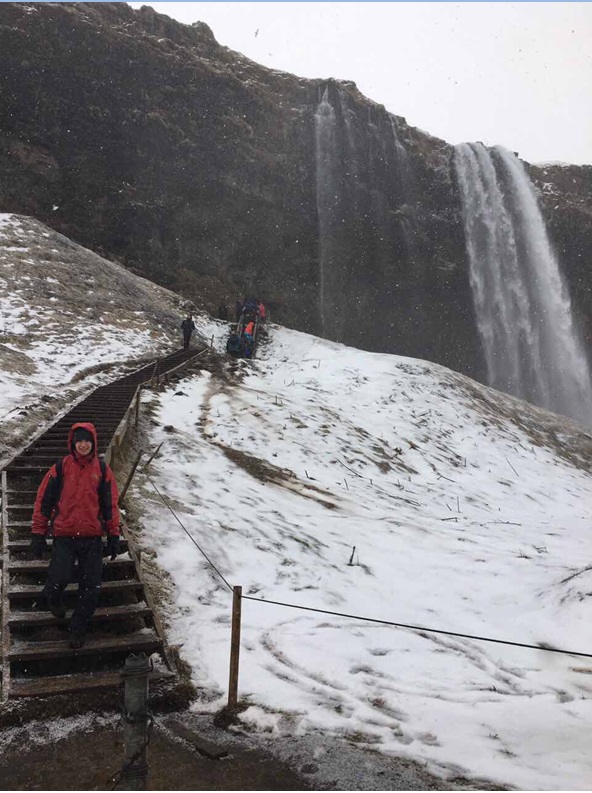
250, 329
233, 345
262, 313
238, 310
76, 501
187, 326
251, 309
223, 312
247, 345
251, 304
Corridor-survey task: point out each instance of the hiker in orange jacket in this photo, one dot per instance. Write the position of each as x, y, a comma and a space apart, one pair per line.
250, 329
76, 500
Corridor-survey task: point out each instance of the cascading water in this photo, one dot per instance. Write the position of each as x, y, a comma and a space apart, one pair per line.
408, 191
327, 178
355, 165
523, 310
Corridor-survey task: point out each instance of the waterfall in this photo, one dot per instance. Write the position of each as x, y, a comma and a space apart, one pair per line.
408, 196
523, 309
402, 159
327, 184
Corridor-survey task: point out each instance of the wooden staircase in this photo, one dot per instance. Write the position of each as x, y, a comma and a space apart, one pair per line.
37, 659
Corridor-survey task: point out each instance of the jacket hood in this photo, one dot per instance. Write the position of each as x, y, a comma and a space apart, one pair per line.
84, 425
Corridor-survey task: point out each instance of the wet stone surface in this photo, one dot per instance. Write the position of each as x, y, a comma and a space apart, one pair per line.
86, 753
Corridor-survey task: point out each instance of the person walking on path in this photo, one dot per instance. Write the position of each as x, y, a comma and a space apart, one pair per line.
187, 326
233, 345
76, 501
251, 309
250, 329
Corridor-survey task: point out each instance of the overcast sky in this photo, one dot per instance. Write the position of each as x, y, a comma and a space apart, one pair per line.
516, 74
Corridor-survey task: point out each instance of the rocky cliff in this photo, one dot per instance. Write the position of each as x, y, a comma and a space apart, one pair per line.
565, 193
150, 143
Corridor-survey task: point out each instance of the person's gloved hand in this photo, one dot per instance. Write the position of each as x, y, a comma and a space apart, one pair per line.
38, 545
112, 547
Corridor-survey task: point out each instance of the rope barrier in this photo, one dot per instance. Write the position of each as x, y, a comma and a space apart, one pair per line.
420, 628
203, 553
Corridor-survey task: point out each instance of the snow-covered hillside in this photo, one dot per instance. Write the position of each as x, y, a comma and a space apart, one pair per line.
469, 512
66, 317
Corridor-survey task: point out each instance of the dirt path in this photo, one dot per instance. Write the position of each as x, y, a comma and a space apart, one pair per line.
89, 760
86, 752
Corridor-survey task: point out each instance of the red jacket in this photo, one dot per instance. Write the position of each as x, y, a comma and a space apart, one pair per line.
250, 329
84, 503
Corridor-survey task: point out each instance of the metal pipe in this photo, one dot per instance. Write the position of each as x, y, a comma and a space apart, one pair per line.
134, 774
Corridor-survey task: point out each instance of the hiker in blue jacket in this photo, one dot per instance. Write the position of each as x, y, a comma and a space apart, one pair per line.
233, 345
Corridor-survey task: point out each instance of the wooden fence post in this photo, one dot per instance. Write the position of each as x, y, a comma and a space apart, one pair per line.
154, 377
130, 477
237, 592
152, 456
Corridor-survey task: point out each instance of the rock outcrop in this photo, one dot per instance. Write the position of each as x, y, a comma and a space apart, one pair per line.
150, 143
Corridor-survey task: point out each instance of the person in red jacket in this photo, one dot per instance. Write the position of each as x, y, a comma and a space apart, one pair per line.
76, 501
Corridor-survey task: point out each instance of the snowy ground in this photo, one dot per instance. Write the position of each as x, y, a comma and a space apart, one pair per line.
463, 516
469, 512
66, 316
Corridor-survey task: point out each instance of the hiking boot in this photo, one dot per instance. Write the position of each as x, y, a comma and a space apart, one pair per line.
57, 608
77, 639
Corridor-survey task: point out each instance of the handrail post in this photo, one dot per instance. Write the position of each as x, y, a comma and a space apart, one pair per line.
137, 416
237, 592
154, 376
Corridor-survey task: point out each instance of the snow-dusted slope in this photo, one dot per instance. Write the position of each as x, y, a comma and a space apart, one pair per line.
469, 511
66, 316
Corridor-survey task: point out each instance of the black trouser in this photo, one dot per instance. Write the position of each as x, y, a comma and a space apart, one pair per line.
88, 551
186, 339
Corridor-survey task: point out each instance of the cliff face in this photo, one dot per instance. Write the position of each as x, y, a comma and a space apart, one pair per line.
565, 193
148, 142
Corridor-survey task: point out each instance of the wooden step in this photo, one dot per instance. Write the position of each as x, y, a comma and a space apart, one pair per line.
146, 641
55, 451
39, 455
41, 565
61, 684
35, 619
24, 545
20, 469
32, 461
35, 590
62, 431
18, 493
